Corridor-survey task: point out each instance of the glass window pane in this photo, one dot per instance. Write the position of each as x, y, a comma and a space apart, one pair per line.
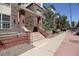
6, 24
5, 17
0, 16
0, 24
0, 20
7, 3
5, 21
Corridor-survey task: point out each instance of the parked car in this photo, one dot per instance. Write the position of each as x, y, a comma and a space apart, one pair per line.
74, 29
77, 31
63, 29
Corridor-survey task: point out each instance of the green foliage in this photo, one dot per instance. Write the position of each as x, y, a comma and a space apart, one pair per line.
48, 22
52, 22
73, 23
46, 25
65, 24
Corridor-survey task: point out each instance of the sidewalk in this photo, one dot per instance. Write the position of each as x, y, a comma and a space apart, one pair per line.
69, 46
16, 50
48, 48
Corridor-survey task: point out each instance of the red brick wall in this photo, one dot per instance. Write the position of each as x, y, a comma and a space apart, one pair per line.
14, 40
21, 21
43, 32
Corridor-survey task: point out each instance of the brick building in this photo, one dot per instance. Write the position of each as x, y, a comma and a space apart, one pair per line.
17, 20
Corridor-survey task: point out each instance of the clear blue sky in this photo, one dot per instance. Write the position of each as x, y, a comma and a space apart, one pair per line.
63, 9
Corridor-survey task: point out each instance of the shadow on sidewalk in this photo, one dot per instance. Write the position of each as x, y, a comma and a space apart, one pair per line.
16, 50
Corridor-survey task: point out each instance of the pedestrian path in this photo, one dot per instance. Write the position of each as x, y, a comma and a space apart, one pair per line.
47, 48
69, 46
16, 50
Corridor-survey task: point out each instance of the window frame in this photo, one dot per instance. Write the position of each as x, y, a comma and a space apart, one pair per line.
2, 21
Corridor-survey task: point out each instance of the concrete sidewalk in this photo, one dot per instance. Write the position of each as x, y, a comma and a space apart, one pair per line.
48, 48
69, 46
16, 50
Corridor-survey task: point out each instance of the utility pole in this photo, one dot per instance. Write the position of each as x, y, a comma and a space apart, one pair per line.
70, 14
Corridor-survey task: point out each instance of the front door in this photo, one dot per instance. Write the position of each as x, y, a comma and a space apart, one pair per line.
35, 29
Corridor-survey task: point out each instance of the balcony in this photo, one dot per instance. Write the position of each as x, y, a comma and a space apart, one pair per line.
24, 4
36, 11
6, 4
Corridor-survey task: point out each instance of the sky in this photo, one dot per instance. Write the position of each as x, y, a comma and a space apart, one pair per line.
64, 9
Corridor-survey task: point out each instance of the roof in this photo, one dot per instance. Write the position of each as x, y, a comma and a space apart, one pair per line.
35, 4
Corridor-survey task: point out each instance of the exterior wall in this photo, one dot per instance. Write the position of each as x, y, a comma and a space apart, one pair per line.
35, 21
10, 41
29, 22
14, 15
32, 20
11, 10
36, 9
21, 18
5, 9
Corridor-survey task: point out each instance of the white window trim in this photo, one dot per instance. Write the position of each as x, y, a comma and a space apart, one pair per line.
10, 22
1, 20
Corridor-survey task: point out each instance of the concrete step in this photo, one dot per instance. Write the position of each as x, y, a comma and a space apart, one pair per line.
35, 36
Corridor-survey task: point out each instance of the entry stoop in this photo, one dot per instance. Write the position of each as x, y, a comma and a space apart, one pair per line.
37, 38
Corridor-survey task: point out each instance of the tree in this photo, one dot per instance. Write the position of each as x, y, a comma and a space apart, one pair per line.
64, 23
77, 25
54, 21
48, 22
73, 23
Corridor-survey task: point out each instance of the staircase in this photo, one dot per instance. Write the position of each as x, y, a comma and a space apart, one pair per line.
37, 38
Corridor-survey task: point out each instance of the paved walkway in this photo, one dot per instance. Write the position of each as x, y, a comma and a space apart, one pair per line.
47, 48
69, 46
16, 50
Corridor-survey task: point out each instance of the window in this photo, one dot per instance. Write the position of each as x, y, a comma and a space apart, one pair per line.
5, 18
6, 24
7, 3
0, 16
5, 21
0, 20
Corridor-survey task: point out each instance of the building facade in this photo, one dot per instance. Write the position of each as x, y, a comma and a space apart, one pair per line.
17, 20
